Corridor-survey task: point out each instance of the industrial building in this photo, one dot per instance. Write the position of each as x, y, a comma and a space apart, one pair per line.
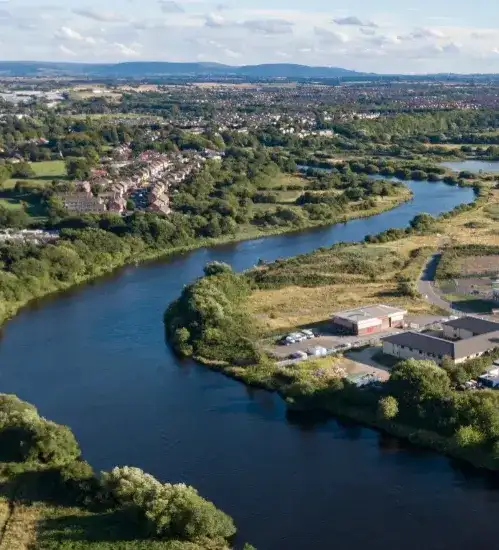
369, 320
476, 337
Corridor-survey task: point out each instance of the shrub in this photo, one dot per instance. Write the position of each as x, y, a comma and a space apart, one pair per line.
388, 408
167, 511
468, 436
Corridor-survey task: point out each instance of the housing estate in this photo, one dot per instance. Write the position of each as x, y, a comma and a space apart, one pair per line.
370, 319
462, 339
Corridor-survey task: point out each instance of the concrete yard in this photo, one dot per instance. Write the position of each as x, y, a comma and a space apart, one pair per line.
326, 341
362, 362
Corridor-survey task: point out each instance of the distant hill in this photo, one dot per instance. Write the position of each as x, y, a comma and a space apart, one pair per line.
143, 69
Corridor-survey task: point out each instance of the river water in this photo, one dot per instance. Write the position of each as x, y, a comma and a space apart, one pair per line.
473, 166
95, 359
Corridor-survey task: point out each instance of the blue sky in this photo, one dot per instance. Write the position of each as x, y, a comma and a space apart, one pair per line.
384, 36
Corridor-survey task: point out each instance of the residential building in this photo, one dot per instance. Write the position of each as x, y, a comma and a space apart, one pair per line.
369, 319
83, 203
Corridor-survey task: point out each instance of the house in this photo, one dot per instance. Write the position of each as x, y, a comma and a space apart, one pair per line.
82, 203
370, 319
416, 345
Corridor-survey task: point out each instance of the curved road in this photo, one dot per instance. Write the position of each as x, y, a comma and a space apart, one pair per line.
426, 284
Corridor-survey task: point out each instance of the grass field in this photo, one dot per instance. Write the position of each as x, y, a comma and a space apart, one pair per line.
296, 304
45, 172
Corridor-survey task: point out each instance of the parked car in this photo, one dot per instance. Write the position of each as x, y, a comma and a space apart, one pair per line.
308, 333
298, 336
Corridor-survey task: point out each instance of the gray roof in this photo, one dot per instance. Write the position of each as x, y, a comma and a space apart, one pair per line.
440, 347
369, 312
477, 344
474, 324
423, 342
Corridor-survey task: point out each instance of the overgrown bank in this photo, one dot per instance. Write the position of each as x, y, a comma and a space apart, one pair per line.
47, 487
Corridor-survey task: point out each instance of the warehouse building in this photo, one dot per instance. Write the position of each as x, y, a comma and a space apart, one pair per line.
369, 320
468, 327
415, 345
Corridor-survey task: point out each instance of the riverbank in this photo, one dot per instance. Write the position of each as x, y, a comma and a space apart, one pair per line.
216, 322
10, 309
364, 416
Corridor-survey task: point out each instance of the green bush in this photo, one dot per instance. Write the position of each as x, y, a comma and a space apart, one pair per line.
166, 511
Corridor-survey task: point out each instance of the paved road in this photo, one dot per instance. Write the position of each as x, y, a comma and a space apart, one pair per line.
426, 284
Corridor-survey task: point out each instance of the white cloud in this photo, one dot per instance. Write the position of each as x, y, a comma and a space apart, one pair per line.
330, 36
353, 21
66, 33
215, 20
102, 16
170, 6
126, 50
268, 26
423, 33
66, 51
70, 34
231, 53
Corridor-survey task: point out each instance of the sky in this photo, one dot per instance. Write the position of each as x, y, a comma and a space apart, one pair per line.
385, 36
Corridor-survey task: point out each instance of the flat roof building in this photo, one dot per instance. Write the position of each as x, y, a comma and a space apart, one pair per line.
369, 319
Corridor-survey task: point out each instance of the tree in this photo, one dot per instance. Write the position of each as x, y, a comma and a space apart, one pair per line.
413, 382
388, 408
407, 287
130, 205
181, 342
423, 222
78, 168
23, 170
216, 268
167, 511
54, 444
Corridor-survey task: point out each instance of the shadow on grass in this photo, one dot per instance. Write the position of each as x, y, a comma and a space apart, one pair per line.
473, 305
33, 203
51, 178
45, 486
113, 526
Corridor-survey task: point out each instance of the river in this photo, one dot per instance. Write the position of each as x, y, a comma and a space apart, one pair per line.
473, 166
95, 358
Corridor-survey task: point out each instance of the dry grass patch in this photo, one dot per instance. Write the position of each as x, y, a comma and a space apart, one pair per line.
474, 265
20, 529
293, 306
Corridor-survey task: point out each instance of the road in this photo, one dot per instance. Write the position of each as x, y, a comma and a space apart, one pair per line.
426, 284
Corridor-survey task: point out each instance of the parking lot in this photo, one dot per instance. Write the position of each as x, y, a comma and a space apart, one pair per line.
340, 342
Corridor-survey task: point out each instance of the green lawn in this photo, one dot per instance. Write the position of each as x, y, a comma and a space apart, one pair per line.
45, 172
11, 204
